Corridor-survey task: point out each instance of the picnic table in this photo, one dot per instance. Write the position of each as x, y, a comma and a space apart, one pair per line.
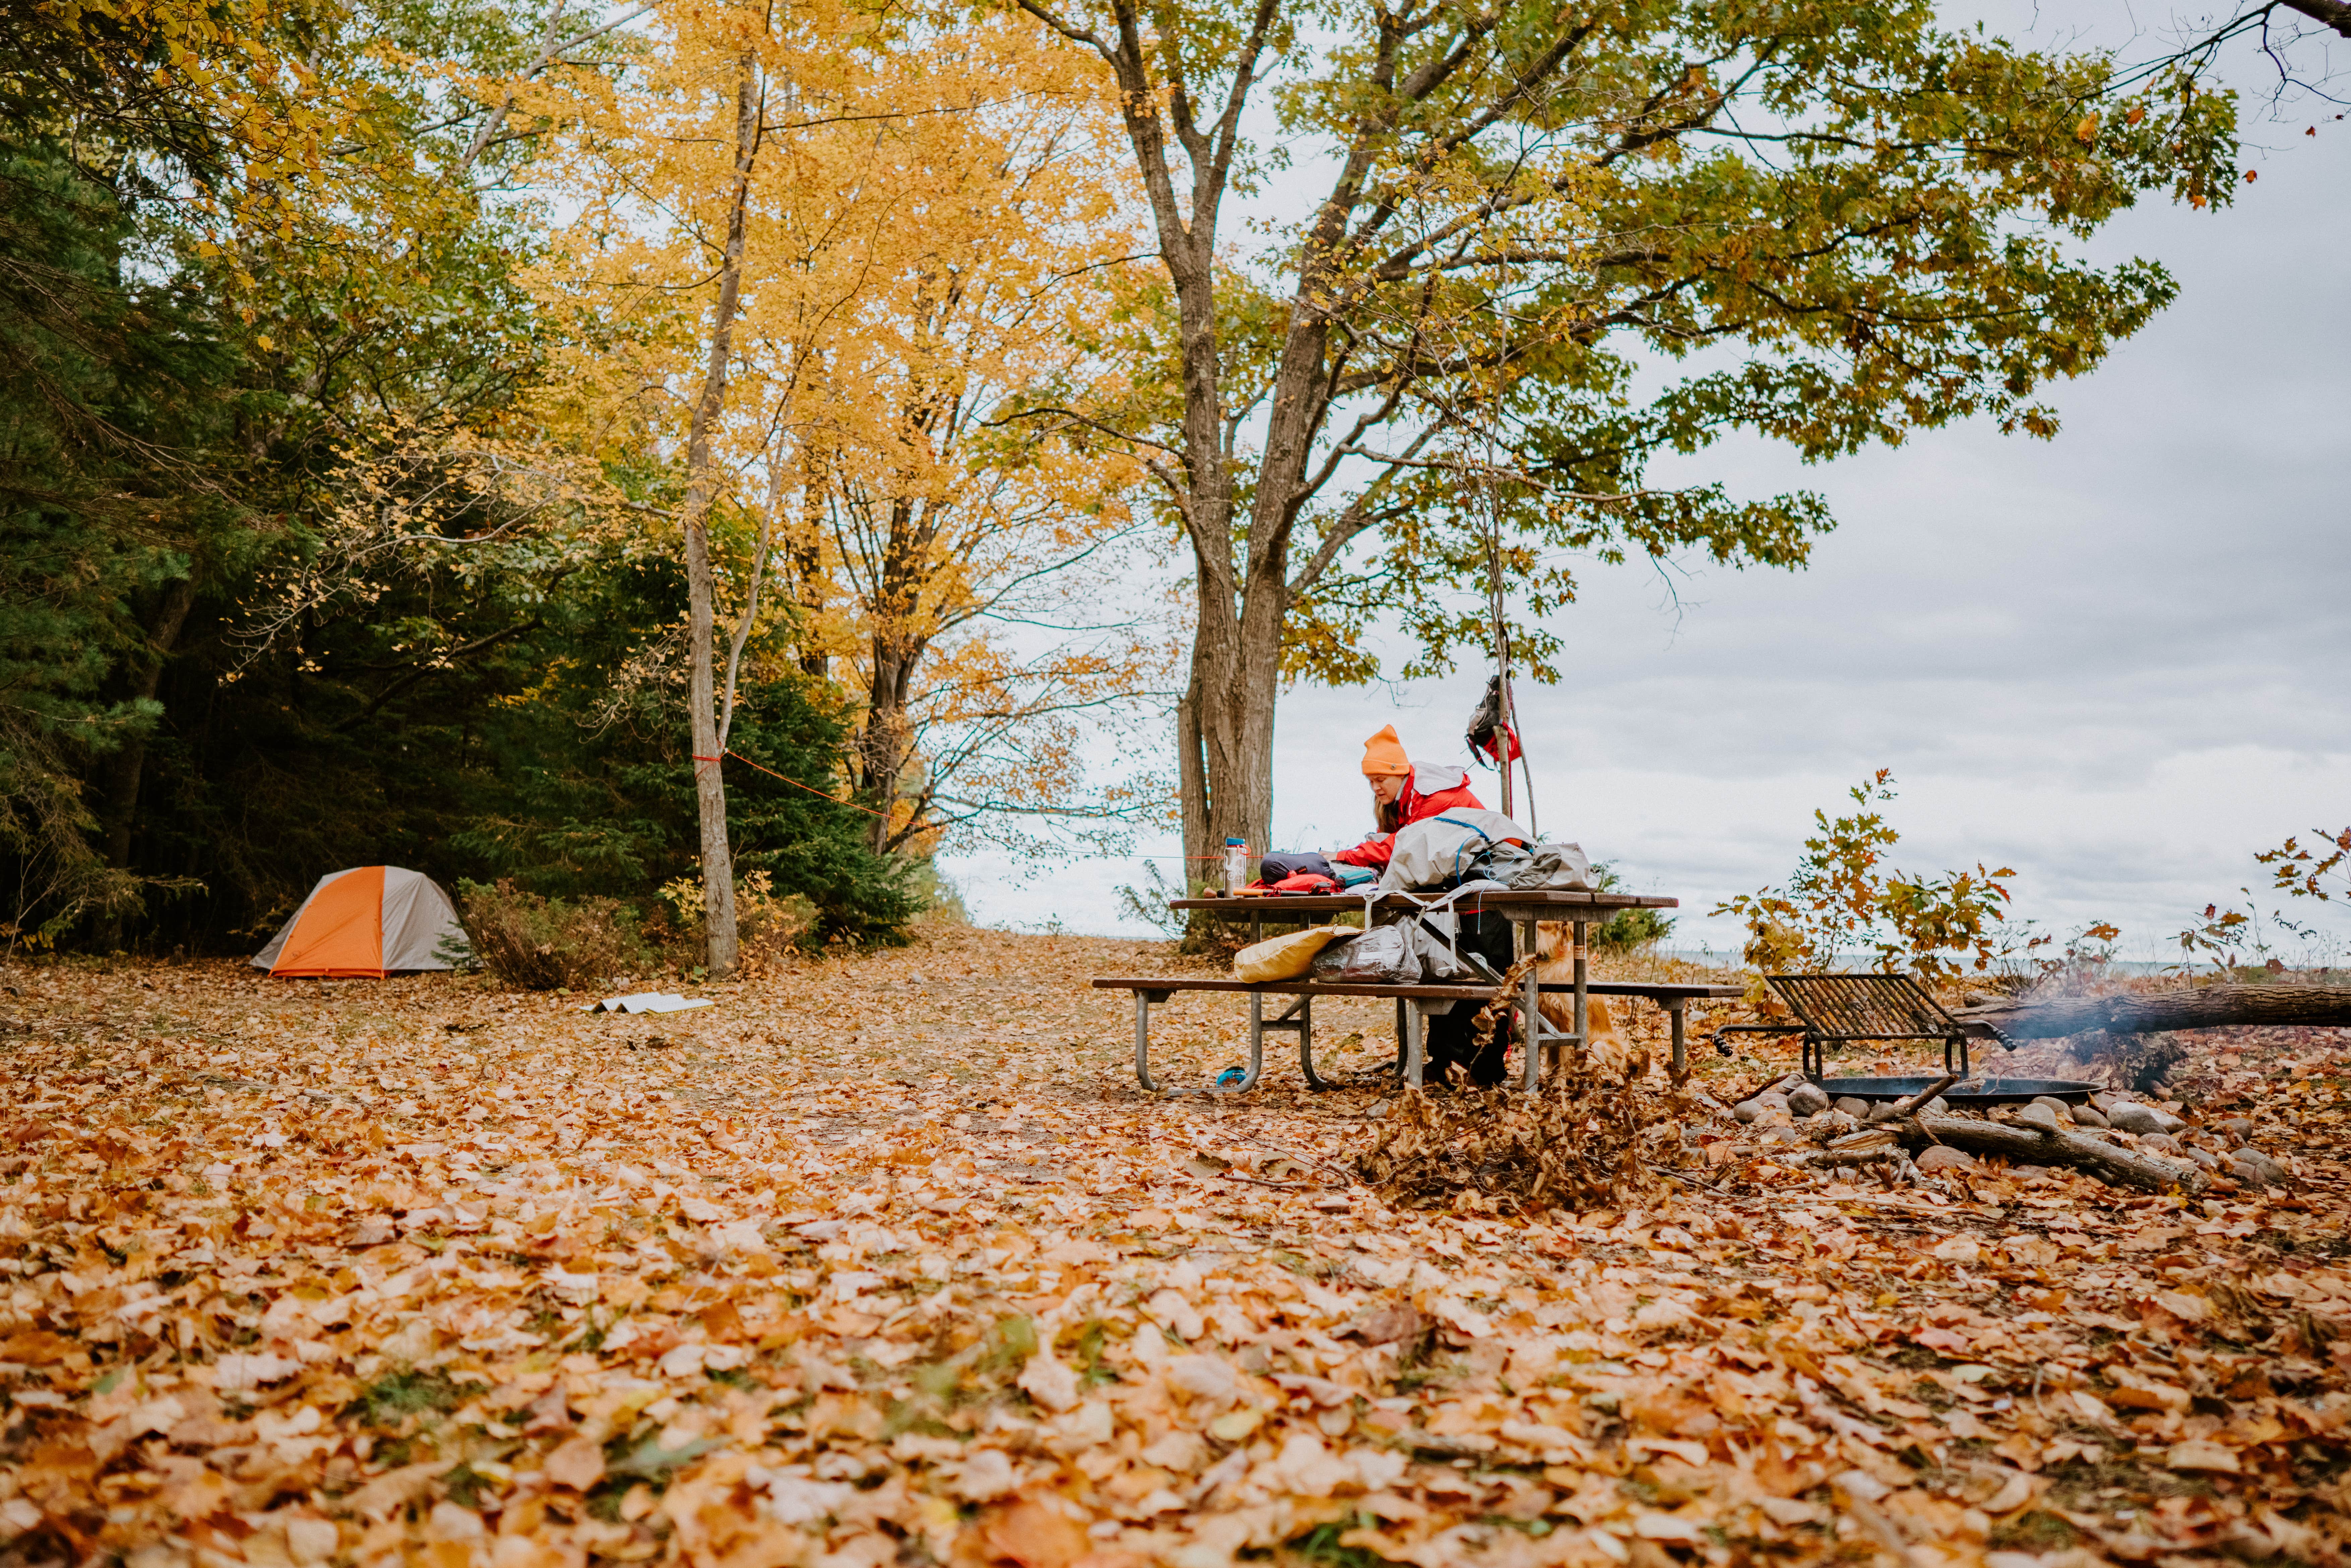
1525, 909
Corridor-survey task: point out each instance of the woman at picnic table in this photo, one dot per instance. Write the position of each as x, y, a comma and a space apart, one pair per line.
1403, 794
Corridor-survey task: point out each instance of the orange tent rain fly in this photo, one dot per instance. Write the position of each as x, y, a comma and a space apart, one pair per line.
372, 920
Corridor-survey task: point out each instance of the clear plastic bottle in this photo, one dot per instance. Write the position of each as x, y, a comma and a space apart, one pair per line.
1236, 866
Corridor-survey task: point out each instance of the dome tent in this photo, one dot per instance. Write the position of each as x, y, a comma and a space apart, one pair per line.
370, 920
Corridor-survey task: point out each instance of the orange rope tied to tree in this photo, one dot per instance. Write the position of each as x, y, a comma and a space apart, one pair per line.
795, 783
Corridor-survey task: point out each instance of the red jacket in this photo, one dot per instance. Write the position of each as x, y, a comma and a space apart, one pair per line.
1429, 791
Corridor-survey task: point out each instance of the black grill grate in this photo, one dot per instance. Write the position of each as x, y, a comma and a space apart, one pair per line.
1864, 1007
1837, 1009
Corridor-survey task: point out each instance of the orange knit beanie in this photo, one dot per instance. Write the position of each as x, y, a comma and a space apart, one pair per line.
1384, 756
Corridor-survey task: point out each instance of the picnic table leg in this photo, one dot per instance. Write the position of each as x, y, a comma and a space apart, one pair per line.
1415, 1027
1404, 1038
1306, 1044
1531, 1017
1583, 996
1143, 1042
1257, 1047
1675, 1010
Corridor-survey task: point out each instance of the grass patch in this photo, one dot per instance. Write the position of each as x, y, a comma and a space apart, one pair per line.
2081, 1485
990, 1361
1322, 1545
1011, 1343
466, 1485
397, 1395
2034, 1530
1085, 1343
604, 1499
1932, 1395
938, 1381
918, 1416
647, 1461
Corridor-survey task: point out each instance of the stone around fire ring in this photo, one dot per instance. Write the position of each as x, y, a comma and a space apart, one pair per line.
2129, 1116
2252, 1164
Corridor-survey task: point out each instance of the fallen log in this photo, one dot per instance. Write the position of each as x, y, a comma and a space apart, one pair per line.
2144, 1012
2032, 1146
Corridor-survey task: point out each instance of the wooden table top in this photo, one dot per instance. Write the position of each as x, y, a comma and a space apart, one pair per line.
1303, 985
1545, 900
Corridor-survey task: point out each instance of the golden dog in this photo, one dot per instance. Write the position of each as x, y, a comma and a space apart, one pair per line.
1555, 965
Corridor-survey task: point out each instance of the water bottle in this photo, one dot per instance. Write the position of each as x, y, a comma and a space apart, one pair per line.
1236, 866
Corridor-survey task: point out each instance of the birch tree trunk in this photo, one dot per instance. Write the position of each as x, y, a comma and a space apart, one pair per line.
701, 490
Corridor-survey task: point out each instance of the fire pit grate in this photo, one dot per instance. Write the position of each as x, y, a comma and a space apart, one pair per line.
1842, 1009
1994, 1091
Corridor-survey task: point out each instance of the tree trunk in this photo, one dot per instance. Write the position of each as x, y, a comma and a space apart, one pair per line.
805, 553
701, 491
2144, 1012
1191, 787
1237, 640
1236, 671
1237, 657
884, 746
1237, 651
2334, 14
896, 652
125, 768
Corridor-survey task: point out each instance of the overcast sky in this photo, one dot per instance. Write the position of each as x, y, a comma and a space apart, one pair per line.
2116, 661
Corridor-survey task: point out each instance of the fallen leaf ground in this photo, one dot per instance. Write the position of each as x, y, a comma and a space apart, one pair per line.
887, 1259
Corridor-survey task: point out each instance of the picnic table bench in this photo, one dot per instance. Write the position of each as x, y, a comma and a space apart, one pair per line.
1525, 909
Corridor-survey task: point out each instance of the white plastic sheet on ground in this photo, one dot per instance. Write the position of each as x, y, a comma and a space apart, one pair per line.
650, 1002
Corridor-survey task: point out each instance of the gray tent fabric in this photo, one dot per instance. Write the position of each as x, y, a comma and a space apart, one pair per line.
421, 930
419, 925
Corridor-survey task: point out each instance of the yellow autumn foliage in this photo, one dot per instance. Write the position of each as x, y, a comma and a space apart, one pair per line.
932, 221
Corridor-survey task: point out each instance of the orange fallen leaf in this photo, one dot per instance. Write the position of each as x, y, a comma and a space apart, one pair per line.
1034, 1534
913, 1324
577, 1463
2199, 1454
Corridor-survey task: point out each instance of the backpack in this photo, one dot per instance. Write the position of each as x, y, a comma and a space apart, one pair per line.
1543, 868
1444, 849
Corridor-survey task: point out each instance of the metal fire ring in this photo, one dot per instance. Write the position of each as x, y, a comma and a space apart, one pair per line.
1994, 1090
